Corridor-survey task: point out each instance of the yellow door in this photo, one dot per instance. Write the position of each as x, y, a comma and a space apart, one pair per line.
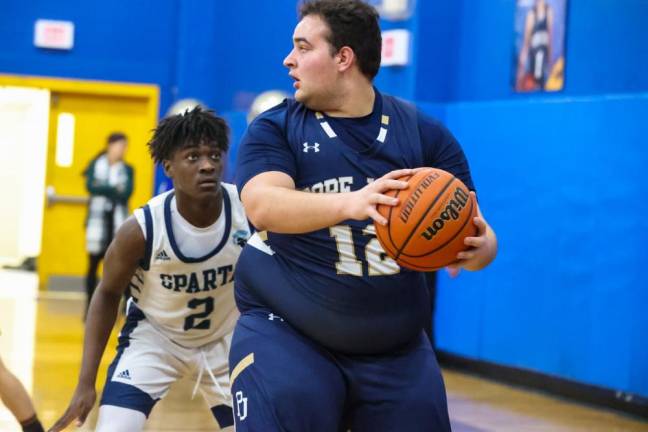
97, 109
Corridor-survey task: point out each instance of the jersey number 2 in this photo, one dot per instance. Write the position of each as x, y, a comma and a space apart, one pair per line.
196, 321
378, 263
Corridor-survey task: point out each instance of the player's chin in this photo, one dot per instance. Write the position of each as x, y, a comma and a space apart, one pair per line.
300, 96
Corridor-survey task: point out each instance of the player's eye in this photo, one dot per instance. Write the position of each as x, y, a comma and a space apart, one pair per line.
216, 156
192, 156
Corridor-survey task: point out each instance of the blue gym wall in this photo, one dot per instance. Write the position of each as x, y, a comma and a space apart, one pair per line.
560, 179
562, 182
559, 175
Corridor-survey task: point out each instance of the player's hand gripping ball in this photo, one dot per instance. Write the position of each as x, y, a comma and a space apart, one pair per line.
427, 228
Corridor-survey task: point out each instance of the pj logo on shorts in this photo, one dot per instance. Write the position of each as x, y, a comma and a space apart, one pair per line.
241, 406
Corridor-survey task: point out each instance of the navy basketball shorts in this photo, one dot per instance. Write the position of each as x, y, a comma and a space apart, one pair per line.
283, 381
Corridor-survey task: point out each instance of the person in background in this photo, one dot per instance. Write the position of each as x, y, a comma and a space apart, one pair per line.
534, 60
109, 180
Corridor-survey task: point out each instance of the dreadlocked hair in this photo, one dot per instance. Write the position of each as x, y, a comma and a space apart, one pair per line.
188, 129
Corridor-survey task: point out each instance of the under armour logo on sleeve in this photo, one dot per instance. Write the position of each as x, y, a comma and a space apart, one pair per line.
314, 147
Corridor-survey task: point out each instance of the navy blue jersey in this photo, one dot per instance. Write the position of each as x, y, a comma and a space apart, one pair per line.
343, 269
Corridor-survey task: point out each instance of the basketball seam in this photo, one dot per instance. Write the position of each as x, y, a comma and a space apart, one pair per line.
469, 218
413, 231
389, 215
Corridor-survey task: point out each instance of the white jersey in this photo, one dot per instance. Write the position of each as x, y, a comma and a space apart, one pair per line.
188, 296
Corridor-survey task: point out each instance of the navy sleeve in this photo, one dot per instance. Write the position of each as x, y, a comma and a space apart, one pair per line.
264, 147
441, 149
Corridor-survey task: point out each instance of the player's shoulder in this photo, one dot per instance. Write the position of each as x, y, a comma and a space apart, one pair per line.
405, 108
155, 206
273, 115
129, 238
430, 127
279, 115
158, 200
232, 192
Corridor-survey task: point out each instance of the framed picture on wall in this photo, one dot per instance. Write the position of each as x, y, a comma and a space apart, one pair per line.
539, 55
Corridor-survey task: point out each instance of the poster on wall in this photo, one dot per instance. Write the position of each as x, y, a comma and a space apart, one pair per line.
539, 56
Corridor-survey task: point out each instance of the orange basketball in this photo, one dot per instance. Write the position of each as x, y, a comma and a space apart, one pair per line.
427, 228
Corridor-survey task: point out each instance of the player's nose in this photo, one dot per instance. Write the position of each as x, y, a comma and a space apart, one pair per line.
289, 61
207, 164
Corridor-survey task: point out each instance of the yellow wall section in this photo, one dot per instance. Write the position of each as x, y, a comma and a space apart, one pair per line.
99, 109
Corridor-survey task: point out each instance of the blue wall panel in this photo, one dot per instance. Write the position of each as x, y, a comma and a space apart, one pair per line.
253, 38
436, 51
562, 182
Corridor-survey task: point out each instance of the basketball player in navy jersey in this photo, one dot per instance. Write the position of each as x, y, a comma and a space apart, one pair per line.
331, 330
177, 254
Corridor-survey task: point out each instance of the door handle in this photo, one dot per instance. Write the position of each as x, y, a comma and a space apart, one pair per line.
51, 198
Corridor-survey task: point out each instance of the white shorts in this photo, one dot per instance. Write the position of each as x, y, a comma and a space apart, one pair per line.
147, 363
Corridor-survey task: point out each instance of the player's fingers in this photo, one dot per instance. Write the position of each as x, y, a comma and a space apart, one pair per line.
63, 422
473, 194
384, 199
453, 271
390, 184
81, 418
399, 173
480, 223
474, 242
377, 217
415, 170
465, 255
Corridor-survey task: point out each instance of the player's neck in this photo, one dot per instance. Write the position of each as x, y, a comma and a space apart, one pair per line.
356, 100
199, 213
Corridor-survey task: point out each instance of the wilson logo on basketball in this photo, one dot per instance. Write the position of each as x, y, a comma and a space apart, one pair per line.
416, 195
451, 212
428, 227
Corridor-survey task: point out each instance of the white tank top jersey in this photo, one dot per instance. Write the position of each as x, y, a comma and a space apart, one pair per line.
184, 285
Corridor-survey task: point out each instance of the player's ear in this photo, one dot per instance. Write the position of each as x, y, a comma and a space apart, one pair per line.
345, 58
168, 171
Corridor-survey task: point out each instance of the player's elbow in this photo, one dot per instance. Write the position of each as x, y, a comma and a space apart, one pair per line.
258, 218
257, 212
257, 202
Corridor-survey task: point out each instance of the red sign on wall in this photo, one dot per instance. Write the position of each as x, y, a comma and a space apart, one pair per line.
54, 34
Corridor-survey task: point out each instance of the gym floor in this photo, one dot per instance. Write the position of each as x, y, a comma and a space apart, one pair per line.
41, 342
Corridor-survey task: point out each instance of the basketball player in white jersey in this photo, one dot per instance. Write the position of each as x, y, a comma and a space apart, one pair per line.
177, 254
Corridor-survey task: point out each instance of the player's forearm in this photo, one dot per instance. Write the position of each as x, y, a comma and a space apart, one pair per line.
288, 211
99, 323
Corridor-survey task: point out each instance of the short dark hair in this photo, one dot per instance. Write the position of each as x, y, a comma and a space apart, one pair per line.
117, 136
352, 23
188, 129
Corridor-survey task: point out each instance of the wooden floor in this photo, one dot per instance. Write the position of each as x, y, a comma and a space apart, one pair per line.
41, 343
